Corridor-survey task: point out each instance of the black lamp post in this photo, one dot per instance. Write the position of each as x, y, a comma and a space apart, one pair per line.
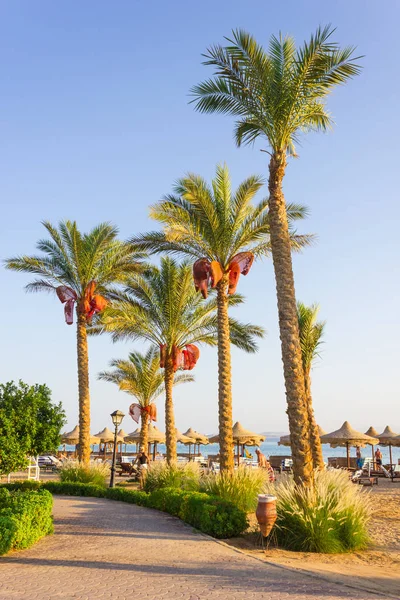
117, 417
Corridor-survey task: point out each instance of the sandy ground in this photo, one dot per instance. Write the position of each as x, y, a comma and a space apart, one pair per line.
376, 569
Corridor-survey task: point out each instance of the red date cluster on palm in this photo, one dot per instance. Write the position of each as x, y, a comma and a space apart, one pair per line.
90, 304
136, 411
184, 359
208, 273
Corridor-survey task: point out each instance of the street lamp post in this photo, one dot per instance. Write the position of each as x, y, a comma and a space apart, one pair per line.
117, 417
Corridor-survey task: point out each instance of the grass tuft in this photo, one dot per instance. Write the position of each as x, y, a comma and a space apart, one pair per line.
73, 471
241, 487
331, 518
184, 476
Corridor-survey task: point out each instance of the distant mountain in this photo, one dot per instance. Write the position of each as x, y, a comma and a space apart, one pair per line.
274, 435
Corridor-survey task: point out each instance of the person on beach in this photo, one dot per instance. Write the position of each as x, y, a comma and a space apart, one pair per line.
142, 460
261, 459
359, 460
378, 458
263, 463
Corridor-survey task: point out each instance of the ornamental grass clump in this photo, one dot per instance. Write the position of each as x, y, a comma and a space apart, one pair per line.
331, 518
184, 476
240, 487
74, 471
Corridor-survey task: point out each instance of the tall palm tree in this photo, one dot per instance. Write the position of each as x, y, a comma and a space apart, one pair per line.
140, 376
74, 266
224, 231
278, 95
311, 332
162, 307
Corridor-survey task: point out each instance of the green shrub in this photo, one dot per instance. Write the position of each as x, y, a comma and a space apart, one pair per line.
131, 496
184, 476
75, 472
209, 514
331, 518
71, 488
240, 487
21, 485
25, 517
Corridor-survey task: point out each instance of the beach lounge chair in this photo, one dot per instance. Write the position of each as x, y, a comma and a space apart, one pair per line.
125, 468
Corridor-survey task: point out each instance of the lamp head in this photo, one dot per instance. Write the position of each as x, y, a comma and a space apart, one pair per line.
117, 417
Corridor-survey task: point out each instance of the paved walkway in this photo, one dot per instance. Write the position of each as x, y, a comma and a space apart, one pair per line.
104, 549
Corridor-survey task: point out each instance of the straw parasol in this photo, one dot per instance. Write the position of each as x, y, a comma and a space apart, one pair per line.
155, 436
284, 440
389, 438
133, 437
373, 433
182, 438
72, 437
196, 438
242, 437
347, 436
107, 437
122, 434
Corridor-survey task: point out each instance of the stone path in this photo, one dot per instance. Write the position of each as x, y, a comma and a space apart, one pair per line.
104, 549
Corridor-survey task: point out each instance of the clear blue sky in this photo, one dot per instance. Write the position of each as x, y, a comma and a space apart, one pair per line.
95, 125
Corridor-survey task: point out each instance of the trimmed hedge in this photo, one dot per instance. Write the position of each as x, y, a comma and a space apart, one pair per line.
25, 517
209, 514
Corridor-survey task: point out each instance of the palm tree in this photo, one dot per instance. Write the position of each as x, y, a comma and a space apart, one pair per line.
162, 307
224, 231
75, 265
311, 332
141, 377
277, 95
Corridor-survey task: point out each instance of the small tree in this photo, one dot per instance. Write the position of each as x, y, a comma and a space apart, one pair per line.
311, 332
30, 424
141, 377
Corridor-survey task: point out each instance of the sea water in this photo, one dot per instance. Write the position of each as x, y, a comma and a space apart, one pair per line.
269, 448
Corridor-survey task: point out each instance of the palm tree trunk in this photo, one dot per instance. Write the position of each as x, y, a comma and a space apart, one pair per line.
170, 433
224, 379
144, 429
83, 387
315, 442
288, 324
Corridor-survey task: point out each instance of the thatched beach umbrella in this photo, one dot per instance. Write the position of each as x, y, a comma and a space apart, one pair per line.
284, 440
122, 434
133, 437
373, 433
389, 438
196, 438
182, 438
154, 436
107, 436
242, 437
72, 437
347, 436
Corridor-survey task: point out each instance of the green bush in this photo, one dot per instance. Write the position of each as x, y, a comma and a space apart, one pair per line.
240, 487
184, 476
25, 517
331, 518
209, 514
96, 473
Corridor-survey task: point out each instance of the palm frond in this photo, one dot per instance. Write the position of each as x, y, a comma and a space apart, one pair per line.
276, 93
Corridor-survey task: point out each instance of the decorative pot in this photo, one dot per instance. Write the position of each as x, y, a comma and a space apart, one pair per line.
266, 513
